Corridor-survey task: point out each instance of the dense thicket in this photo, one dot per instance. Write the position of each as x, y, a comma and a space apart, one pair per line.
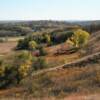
48, 38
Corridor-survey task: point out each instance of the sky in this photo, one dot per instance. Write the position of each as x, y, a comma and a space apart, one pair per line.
49, 9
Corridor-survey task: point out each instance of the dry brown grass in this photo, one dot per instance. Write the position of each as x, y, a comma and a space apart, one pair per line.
94, 43
66, 82
7, 47
54, 60
63, 82
72, 80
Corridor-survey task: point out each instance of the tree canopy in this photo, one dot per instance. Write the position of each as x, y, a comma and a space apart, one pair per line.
79, 38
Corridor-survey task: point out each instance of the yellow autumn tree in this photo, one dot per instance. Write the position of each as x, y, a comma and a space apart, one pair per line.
79, 38
32, 45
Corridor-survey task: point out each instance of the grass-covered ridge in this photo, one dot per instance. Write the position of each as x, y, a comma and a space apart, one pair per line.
52, 60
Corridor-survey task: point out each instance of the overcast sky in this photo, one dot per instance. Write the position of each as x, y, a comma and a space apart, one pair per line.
49, 9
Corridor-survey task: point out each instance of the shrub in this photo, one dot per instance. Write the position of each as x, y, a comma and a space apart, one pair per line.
24, 60
13, 72
47, 39
23, 70
1, 61
42, 51
40, 63
32, 45
60, 37
21, 44
1, 40
22, 57
24, 43
8, 76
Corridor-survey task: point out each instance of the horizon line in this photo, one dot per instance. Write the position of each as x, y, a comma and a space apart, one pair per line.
16, 20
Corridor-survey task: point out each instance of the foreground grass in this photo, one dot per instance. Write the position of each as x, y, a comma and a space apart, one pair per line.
81, 79
63, 82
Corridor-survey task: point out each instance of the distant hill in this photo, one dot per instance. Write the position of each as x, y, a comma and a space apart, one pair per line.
21, 28
91, 26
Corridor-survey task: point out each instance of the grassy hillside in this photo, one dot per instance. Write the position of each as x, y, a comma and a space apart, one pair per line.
75, 78
94, 43
50, 69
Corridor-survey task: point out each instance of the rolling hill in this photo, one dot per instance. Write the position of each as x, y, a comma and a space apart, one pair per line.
94, 43
80, 77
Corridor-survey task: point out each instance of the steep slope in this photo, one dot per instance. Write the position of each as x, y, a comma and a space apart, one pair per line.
94, 43
80, 76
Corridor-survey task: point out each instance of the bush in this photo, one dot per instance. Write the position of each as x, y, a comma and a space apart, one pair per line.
40, 63
47, 39
23, 56
1, 61
1, 40
24, 43
42, 51
32, 45
60, 37
11, 73
23, 61
8, 76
